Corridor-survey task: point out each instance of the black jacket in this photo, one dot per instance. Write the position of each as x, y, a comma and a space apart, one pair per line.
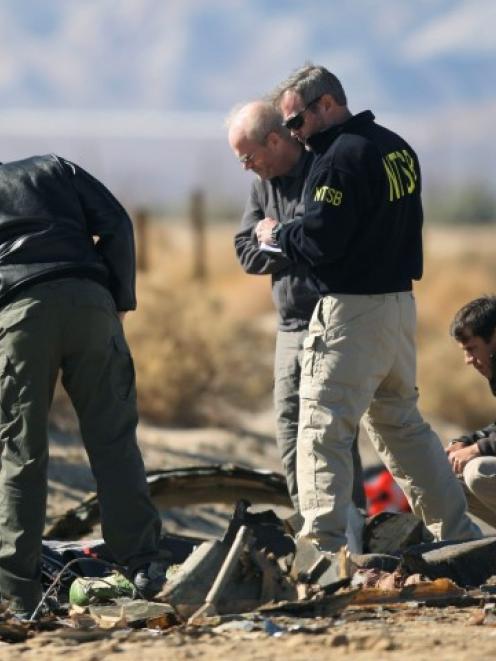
50, 210
485, 439
361, 231
293, 289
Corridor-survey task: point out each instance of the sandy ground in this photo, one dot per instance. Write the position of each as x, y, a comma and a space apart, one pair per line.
369, 634
378, 632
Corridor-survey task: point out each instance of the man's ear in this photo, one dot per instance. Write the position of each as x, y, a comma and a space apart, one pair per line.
272, 140
327, 102
492, 378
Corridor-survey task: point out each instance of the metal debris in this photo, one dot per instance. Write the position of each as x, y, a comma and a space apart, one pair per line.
467, 564
390, 532
179, 487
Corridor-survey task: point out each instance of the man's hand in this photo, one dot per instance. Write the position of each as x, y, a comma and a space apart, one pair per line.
454, 445
121, 316
264, 229
460, 458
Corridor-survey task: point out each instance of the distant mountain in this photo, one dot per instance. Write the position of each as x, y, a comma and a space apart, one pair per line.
140, 87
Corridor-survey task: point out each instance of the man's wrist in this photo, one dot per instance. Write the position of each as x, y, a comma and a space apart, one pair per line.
274, 235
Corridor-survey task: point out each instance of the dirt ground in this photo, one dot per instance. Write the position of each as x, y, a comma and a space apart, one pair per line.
373, 633
406, 631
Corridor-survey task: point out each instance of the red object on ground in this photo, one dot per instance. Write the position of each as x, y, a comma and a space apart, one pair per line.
383, 494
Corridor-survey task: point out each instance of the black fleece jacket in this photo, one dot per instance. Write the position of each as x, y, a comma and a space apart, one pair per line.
485, 439
361, 230
50, 210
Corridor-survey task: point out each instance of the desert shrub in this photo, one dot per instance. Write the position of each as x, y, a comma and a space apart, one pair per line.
449, 390
198, 353
471, 203
191, 357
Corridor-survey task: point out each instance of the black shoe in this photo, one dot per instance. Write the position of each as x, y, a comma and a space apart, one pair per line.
48, 607
149, 579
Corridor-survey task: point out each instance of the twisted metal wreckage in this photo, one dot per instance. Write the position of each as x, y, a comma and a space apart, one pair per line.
257, 567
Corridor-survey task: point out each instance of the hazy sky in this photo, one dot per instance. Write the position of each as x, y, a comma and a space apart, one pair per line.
171, 69
207, 54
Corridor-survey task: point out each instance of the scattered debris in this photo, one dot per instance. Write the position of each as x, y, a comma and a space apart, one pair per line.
378, 561
178, 487
328, 570
85, 590
441, 592
390, 532
318, 607
225, 573
13, 632
256, 577
469, 564
134, 613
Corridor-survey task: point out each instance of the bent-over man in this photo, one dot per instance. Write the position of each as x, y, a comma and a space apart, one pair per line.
263, 145
62, 300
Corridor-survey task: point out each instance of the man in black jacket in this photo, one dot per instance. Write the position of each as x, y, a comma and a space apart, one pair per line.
264, 146
361, 235
474, 456
67, 278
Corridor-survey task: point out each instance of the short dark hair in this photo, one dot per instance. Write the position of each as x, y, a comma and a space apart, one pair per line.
311, 82
478, 317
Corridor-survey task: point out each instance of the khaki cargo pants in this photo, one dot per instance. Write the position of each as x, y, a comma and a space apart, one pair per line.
287, 376
359, 360
69, 324
479, 476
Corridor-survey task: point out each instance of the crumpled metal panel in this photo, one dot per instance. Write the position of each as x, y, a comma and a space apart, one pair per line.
179, 487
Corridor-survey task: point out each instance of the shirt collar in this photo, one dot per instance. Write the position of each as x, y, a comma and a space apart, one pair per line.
300, 165
320, 142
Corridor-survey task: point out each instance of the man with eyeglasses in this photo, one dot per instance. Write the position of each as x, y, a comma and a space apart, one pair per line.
361, 235
263, 145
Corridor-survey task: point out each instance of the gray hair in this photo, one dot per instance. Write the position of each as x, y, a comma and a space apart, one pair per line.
259, 119
311, 82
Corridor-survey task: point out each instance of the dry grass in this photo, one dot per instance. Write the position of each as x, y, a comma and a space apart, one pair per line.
198, 351
459, 266
196, 348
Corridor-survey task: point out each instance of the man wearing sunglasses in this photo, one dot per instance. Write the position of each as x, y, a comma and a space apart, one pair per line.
361, 235
263, 145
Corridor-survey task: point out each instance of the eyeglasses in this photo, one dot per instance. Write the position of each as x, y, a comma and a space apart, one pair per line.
295, 122
246, 158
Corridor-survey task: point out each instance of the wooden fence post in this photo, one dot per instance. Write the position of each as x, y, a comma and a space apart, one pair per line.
141, 222
197, 210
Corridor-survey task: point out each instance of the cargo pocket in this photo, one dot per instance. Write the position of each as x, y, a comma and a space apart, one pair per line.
8, 390
312, 354
123, 378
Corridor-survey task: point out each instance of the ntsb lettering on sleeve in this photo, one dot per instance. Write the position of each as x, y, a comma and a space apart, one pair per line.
327, 194
401, 174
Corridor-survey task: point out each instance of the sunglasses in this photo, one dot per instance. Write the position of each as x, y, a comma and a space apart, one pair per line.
295, 122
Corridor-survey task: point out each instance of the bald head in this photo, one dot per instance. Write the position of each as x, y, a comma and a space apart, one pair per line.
256, 120
260, 141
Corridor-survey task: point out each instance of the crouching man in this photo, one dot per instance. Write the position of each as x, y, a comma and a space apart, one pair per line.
474, 457
63, 296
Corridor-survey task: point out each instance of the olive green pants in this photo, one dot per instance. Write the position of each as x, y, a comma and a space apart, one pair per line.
72, 325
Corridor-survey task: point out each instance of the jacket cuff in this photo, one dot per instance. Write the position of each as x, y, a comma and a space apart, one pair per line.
487, 446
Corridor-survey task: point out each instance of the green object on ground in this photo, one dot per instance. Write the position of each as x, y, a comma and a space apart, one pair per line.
86, 590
